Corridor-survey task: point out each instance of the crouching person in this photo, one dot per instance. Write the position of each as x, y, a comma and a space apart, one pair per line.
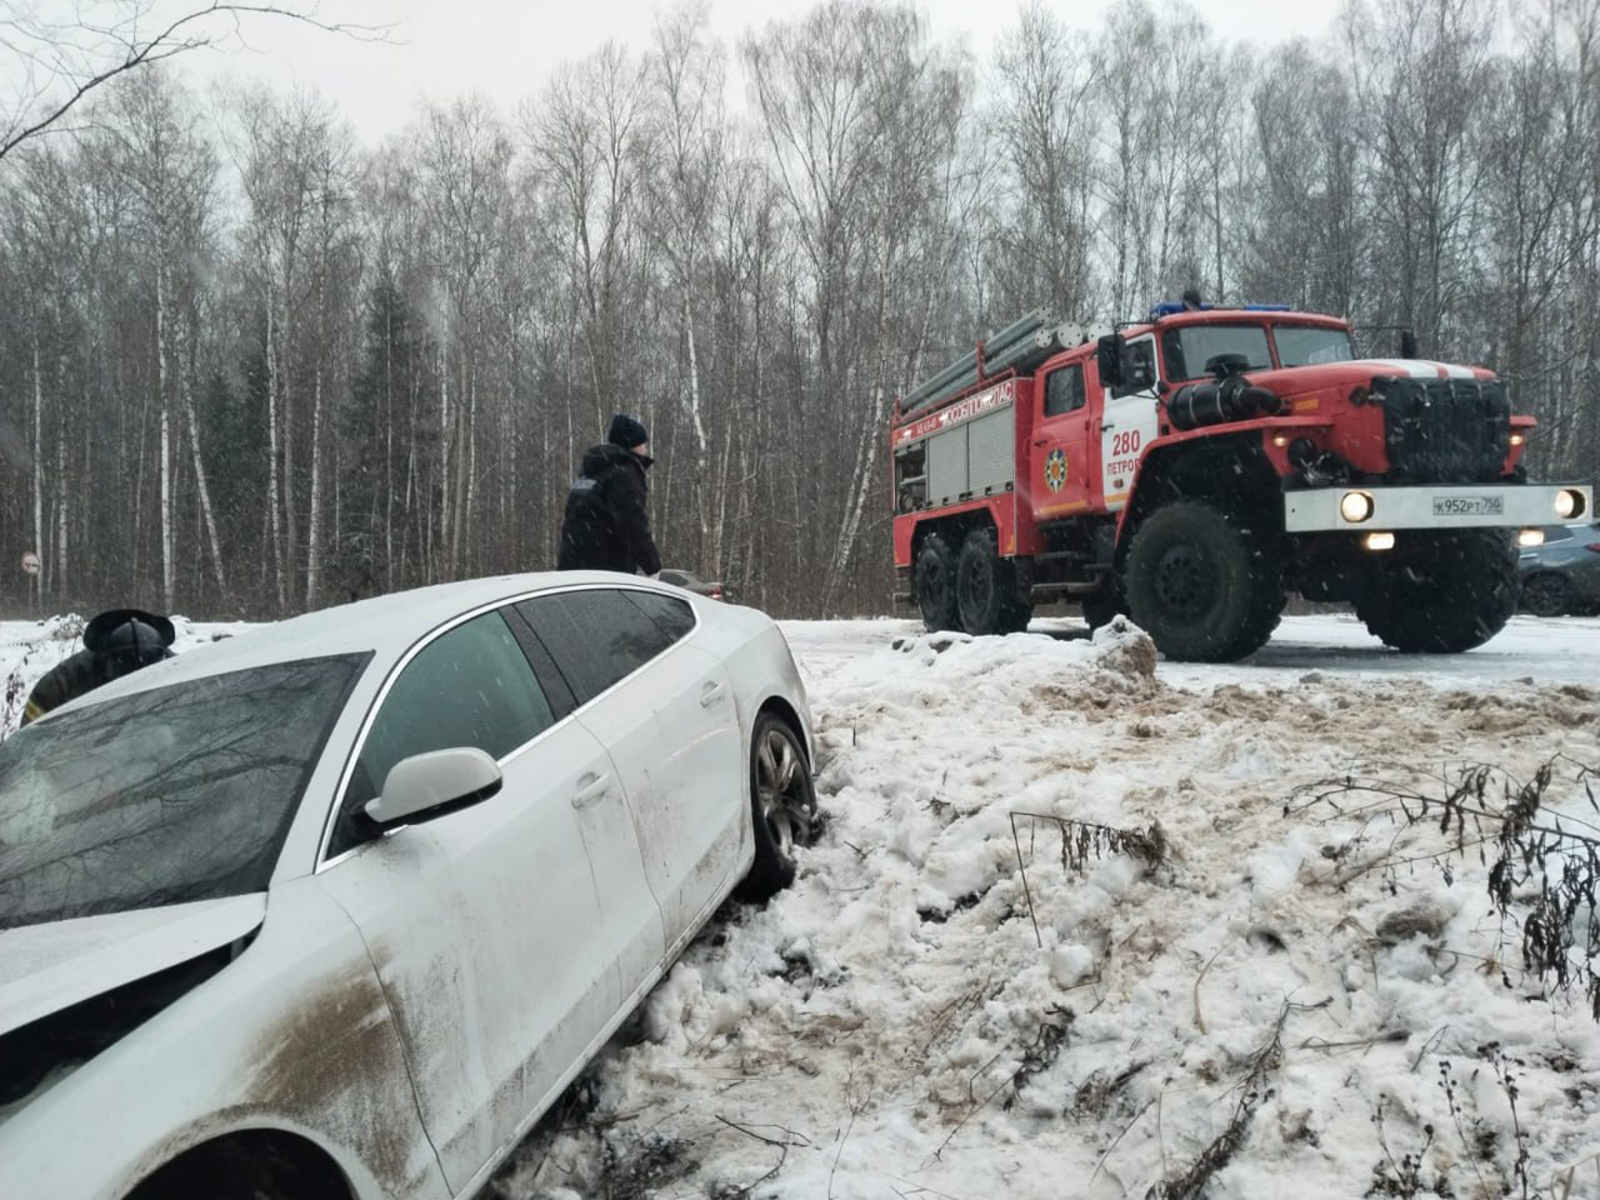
115, 643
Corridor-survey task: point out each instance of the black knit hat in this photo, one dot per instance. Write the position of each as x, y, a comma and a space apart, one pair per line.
627, 432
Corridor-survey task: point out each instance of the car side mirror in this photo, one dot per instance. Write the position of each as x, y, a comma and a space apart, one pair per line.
1111, 352
432, 784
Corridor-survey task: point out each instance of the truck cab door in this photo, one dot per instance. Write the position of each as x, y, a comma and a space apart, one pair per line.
1130, 421
1064, 463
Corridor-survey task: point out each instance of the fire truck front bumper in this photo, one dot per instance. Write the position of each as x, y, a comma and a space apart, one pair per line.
1360, 509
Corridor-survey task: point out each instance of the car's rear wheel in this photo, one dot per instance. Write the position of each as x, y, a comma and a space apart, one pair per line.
1548, 595
784, 804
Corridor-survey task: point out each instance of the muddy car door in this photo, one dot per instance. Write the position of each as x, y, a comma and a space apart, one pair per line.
666, 711
482, 923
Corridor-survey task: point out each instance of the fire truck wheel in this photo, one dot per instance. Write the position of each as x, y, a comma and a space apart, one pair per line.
936, 584
1201, 585
1457, 592
986, 588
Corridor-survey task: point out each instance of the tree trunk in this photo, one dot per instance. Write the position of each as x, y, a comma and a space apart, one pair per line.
165, 465
314, 520
272, 459
38, 467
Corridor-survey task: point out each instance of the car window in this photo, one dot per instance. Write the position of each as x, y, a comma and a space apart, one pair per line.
598, 636
1063, 390
672, 616
471, 686
166, 796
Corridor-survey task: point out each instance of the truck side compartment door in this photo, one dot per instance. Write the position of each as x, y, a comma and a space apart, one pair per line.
1063, 460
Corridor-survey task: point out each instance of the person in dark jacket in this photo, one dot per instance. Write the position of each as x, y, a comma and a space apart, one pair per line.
606, 527
115, 643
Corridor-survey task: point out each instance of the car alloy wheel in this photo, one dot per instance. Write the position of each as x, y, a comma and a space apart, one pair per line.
784, 797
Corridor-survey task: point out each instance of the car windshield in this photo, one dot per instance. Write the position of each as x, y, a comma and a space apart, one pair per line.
1307, 345
178, 794
1190, 349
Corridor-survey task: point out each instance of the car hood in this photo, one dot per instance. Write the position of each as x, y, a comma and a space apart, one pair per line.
45, 968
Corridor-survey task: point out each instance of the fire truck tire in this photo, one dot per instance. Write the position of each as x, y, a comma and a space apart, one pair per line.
986, 588
1201, 584
1456, 594
935, 582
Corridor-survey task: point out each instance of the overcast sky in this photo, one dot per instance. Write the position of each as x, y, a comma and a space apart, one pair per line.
505, 48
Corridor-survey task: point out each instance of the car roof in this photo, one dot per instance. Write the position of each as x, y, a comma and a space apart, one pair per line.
386, 626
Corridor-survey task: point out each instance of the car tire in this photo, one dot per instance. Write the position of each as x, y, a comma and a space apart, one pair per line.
1454, 594
1203, 584
935, 583
783, 803
1548, 594
987, 596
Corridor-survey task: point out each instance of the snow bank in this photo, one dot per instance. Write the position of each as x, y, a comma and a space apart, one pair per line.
1060, 920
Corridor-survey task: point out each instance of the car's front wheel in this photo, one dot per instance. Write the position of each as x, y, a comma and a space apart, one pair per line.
1548, 595
784, 804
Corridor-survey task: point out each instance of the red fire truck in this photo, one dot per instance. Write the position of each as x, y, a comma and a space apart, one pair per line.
1195, 469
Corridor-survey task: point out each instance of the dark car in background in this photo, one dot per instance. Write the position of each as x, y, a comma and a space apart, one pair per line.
1562, 576
690, 582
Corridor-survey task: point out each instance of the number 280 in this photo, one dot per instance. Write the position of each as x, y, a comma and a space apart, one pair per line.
1126, 443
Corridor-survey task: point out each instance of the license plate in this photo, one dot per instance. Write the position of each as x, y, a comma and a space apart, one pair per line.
1469, 506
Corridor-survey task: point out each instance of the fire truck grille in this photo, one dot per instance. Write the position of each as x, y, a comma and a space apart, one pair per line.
1445, 430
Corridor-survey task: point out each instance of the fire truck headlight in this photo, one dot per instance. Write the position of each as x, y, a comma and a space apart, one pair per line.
1569, 504
1517, 439
1356, 507
1379, 541
1531, 537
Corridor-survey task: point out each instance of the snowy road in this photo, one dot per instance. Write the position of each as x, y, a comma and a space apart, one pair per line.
1566, 650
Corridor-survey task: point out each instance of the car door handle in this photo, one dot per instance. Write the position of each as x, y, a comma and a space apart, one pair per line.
590, 788
710, 694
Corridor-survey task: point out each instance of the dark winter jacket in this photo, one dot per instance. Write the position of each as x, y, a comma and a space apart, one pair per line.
115, 644
606, 526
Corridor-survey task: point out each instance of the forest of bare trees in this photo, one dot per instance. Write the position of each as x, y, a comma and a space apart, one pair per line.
249, 365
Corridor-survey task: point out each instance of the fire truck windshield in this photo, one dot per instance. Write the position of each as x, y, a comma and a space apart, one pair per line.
1307, 345
1190, 349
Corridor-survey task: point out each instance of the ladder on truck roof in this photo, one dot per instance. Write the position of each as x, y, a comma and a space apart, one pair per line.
1020, 347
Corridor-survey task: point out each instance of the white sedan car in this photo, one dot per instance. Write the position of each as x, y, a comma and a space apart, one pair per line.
337, 908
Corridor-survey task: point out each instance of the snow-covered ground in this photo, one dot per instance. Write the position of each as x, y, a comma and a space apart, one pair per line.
916, 1018
1073, 930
